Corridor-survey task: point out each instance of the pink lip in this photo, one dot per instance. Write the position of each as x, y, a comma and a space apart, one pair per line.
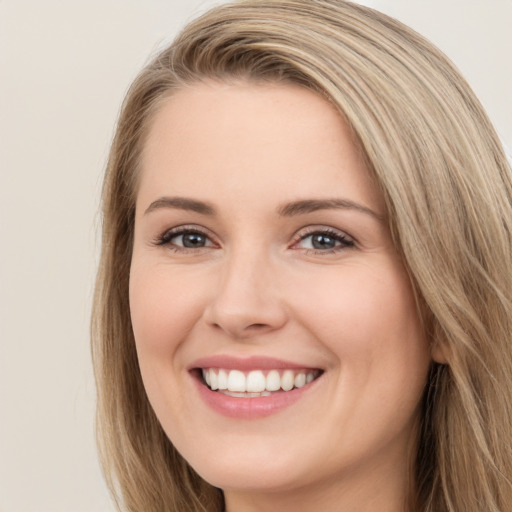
250, 408
253, 407
247, 363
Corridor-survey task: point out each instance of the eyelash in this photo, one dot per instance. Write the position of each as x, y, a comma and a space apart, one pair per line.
167, 236
344, 241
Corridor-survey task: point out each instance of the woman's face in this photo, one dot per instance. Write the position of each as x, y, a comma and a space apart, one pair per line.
262, 260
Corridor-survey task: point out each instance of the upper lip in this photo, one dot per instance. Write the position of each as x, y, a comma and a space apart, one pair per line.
247, 363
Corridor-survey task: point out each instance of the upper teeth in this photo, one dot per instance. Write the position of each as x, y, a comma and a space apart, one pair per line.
256, 381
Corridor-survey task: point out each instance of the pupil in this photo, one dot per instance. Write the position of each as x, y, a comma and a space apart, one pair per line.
193, 240
323, 242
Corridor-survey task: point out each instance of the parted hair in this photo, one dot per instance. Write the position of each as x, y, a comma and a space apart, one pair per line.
448, 190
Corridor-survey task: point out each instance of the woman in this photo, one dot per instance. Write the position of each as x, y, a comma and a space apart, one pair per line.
304, 296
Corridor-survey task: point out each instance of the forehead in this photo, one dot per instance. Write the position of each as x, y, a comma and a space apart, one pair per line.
248, 138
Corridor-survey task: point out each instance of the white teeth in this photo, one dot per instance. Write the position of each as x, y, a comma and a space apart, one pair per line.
246, 395
255, 383
300, 380
222, 379
287, 380
236, 395
236, 381
273, 381
214, 380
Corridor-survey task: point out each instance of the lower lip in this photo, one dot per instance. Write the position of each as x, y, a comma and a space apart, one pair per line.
251, 407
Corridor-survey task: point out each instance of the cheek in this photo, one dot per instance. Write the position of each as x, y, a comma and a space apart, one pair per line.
164, 309
380, 357
164, 306
364, 314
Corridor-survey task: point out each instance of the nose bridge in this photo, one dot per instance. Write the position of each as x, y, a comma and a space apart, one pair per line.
246, 302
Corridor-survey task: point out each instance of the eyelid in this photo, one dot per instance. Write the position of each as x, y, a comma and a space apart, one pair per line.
347, 240
164, 239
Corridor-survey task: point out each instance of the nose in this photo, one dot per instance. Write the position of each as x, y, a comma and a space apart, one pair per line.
247, 302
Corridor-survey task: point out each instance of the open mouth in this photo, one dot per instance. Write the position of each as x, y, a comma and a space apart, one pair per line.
256, 383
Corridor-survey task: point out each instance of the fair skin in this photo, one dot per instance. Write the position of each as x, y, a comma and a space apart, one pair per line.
228, 266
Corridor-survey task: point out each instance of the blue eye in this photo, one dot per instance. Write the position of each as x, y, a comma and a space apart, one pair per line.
190, 240
184, 238
325, 241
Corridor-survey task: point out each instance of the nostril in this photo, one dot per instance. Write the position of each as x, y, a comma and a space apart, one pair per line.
242, 319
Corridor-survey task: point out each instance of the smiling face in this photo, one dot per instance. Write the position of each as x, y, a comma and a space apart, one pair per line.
262, 264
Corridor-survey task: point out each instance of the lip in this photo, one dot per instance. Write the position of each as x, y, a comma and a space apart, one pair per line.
251, 407
247, 363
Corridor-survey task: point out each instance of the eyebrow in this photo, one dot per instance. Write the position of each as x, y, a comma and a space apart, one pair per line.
302, 207
181, 203
294, 208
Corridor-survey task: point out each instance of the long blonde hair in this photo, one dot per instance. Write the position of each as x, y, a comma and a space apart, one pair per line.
448, 191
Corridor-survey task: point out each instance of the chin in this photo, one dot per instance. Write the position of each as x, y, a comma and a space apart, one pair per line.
262, 468
248, 477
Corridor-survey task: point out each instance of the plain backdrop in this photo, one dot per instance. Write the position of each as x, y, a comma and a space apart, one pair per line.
64, 68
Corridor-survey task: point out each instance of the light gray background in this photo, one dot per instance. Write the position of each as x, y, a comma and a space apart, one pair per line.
64, 68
